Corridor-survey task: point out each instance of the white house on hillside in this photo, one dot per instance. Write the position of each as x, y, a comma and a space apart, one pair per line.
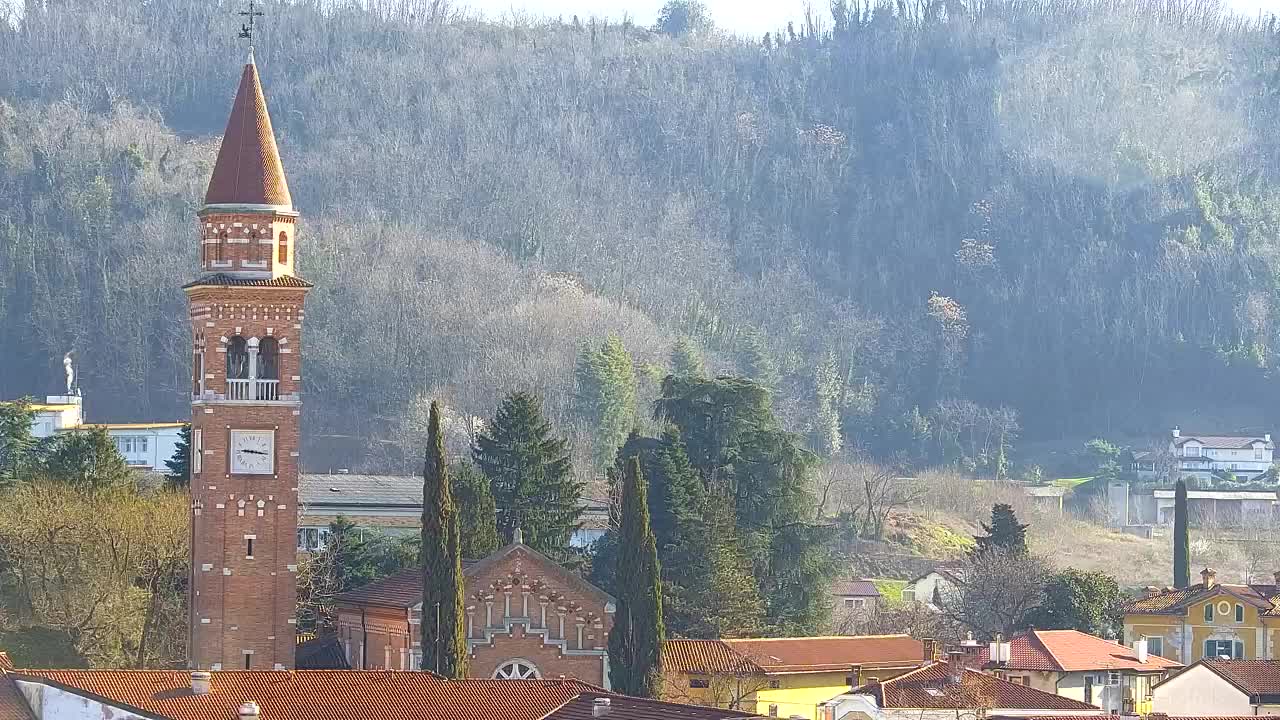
1200, 456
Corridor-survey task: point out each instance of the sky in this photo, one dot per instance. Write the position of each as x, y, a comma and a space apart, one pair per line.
745, 17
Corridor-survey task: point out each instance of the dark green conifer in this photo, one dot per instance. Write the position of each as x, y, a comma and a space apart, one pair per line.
477, 515
635, 643
1004, 532
1181, 538
444, 641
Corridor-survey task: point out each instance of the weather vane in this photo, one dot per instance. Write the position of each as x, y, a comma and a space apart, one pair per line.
246, 29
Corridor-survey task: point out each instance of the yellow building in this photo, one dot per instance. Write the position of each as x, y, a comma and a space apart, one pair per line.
1209, 619
783, 677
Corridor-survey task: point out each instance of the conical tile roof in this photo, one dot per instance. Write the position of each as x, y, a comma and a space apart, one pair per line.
248, 170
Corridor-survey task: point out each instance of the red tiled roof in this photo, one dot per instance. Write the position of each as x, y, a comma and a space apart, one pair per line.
1255, 677
319, 694
248, 169
825, 654
12, 705
1175, 602
223, 280
629, 708
1073, 651
932, 687
855, 588
705, 657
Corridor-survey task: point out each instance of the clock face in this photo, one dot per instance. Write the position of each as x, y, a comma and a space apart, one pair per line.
253, 452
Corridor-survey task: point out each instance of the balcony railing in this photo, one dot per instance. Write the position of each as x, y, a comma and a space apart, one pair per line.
253, 389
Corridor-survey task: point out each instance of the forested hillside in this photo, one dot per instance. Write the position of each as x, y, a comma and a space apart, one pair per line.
927, 230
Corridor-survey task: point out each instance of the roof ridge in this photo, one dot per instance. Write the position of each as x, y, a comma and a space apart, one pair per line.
820, 637
1044, 646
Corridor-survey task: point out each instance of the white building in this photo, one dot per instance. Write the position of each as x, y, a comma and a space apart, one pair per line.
1200, 456
145, 446
1221, 688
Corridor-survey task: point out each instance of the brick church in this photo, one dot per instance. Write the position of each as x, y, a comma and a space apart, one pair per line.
527, 617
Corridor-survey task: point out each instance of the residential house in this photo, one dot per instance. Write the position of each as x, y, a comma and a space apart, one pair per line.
1208, 619
853, 602
390, 504
930, 588
316, 695
57, 412
144, 446
1200, 456
1083, 667
945, 691
786, 677
526, 617
1221, 687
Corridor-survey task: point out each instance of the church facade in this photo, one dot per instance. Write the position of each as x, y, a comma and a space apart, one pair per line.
526, 617
246, 311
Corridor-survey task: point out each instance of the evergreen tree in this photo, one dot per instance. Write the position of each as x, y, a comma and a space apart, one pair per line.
179, 475
736, 445
1181, 538
17, 445
1080, 600
635, 642
757, 362
828, 387
88, 459
686, 360
606, 395
1004, 532
444, 640
530, 476
477, 515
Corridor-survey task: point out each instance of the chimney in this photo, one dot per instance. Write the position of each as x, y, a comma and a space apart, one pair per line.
955, 674
1210, 577
1140, 647
1266, 437
930, 649
1176, 432
855, 675
249, 710
600, 707
1150, 590
201, 682
517, 537
1276, 577
873, 680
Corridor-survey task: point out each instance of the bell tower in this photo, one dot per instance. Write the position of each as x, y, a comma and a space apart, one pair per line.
246, 321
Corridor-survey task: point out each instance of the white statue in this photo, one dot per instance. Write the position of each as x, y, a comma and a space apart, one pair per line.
71, 372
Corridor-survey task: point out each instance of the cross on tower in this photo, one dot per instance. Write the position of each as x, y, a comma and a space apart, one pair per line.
246, 29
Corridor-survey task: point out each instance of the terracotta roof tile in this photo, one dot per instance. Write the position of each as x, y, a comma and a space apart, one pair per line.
932, 687
320, 653
855, 588
1174, 602
705, 657
1255, 677
248, 169
224, 280
1073, 651
629, 708
12, 705
823, 654
319, 694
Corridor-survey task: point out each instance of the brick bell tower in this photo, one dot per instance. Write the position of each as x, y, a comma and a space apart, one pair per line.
246, 321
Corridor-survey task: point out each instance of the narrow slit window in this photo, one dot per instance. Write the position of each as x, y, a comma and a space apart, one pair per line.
283, 253
249, 549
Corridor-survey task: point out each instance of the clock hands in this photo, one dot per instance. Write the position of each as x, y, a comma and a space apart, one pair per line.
254, 452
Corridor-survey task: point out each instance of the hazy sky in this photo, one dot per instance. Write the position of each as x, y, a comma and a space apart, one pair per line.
753, 17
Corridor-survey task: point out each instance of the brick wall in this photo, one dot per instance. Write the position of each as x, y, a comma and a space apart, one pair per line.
246, 241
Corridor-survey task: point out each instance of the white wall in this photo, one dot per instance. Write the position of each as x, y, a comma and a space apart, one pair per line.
50, 703
162, 443
1199, 691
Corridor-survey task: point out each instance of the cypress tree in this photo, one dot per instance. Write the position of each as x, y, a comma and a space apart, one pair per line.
1181, 538
477, 515
530, 475
635, 643
1004, 532
444, 641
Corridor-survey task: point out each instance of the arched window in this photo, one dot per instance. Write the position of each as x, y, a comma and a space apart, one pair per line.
218, 246
197, 366
268, 359
517, 669
237, 358
283, 249
255, 250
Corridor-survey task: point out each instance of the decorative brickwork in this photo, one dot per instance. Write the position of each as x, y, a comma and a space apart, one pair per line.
245, 414
522, 610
